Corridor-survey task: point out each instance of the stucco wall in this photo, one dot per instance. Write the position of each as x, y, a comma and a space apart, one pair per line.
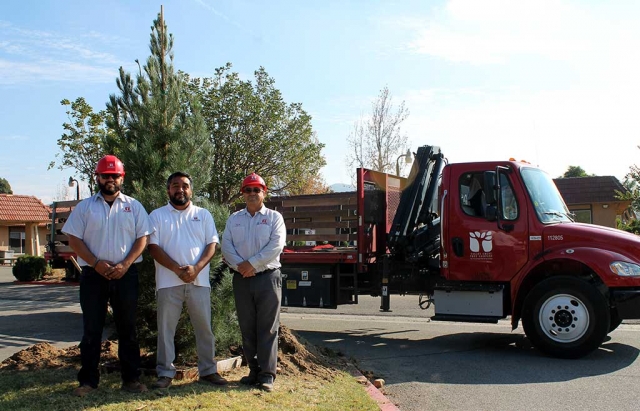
42, 237
600, 215
4, 238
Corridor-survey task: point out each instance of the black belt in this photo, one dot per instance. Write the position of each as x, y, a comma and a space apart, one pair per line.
269, 271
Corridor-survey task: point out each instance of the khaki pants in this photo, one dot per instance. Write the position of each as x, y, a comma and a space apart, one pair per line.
170, 302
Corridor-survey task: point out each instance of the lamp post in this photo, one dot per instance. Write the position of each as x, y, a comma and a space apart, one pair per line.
71, 180
407, 159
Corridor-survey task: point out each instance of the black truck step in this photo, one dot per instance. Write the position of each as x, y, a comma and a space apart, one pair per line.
466, 318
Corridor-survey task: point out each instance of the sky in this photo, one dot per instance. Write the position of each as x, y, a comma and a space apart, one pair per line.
555, 83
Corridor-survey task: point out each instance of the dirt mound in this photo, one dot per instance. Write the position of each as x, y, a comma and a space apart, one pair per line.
44, 355
294, 357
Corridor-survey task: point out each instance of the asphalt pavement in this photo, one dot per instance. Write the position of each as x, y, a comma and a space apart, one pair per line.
37, 313
429, 365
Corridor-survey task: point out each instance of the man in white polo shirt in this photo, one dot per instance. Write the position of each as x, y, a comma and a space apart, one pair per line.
183, 243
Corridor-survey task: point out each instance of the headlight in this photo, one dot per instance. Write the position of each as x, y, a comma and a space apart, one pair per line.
624, 269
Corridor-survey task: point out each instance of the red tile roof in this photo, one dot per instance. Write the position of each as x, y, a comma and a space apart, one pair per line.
585, 190
22, 209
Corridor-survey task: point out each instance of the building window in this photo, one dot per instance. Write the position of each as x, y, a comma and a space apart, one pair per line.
17, 239
582, 216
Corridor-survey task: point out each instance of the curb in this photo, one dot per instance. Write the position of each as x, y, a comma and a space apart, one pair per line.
383, 402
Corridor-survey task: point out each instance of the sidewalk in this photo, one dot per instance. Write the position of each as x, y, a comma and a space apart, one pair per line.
35, 313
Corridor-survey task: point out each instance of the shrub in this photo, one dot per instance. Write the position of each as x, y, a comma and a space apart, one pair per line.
631, 227
29, 268
224, 317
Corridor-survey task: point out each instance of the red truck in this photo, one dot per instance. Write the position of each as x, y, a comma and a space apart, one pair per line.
59, 254
481, 241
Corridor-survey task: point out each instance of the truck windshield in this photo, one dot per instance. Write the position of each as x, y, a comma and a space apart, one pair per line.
546, 198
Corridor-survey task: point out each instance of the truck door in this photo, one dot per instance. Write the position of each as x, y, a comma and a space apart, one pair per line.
477, 249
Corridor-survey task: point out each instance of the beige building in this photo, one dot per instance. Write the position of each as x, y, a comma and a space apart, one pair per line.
593, 199
23, 225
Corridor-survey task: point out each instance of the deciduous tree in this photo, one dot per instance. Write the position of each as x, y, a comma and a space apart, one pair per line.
5, 187
377, 141
252, 129
81, 145
575, 171
632, 185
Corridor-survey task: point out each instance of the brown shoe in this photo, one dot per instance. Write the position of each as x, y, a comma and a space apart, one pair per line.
83, 390
135, 387
215, 379
162, 383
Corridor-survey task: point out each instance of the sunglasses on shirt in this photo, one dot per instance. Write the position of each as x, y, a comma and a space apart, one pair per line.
106, 176
250, 190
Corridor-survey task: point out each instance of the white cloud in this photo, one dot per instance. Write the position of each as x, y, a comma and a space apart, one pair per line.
591, 119
552, 129
34, 55
493, 31
49, 70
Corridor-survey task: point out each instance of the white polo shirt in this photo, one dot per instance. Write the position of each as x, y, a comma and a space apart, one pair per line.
183, 235
108, 232
258, 239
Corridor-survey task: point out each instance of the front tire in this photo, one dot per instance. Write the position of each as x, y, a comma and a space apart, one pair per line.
566, 317
615, 320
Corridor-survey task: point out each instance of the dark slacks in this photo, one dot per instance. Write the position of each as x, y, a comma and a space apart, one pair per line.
258, 307
95, 292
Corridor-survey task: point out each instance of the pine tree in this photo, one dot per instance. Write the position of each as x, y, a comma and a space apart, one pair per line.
159, 129
158, 124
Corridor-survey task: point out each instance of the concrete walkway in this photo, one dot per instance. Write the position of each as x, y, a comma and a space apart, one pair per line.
35, 313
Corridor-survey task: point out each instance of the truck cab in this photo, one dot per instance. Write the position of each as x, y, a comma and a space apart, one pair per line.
507, 230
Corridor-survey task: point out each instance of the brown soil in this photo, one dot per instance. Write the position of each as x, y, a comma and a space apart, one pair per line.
55, 277
44, 355
294, 358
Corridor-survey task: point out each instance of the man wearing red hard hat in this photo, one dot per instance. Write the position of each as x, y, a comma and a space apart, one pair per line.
108, 232
251, 245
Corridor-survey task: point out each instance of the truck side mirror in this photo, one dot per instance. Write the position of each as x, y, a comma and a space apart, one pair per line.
490, 188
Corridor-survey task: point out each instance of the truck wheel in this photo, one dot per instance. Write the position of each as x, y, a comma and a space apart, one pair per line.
566, 317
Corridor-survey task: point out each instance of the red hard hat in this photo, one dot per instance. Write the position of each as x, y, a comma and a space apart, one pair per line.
253, 180
110, 164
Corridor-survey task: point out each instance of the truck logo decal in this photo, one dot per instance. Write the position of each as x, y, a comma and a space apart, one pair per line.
484, 237
535, 238
478, 239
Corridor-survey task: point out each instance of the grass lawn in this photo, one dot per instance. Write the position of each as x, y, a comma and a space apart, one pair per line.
50, 389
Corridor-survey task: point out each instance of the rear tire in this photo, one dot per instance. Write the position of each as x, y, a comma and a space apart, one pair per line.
566, 317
